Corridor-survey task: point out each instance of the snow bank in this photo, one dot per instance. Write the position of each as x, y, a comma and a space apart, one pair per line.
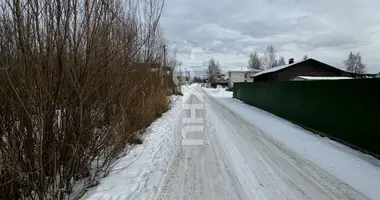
359, 170
139, 173
186, 89
218, 92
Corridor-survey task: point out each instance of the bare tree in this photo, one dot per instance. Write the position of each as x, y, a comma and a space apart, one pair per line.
173, 64
281, 61
275, 64
254, 61
64, 117
213, 69
354, 63
270, 57
305, 57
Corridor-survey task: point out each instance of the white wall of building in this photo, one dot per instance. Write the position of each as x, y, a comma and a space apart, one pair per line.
239, 76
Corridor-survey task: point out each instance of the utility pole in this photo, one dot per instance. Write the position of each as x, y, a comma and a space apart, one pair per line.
164, 79
180, 74
164, 47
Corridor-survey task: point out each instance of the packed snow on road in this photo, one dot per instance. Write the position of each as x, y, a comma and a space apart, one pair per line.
211, 146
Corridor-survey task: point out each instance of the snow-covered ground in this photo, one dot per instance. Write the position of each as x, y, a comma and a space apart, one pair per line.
218, 92
198, 170
140, 172
245, 153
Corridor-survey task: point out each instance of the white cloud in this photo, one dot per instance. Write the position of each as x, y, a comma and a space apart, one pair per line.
229, 30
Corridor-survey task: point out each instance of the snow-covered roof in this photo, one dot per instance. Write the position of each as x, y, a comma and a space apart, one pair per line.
274, 69
246, 70
322, 77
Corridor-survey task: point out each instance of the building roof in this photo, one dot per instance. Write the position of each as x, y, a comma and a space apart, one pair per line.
314, 78
246, 70
274, 69
278, 68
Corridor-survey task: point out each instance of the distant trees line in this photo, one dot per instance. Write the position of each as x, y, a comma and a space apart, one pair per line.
269, 60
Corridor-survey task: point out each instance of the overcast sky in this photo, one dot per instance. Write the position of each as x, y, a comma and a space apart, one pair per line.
228, 30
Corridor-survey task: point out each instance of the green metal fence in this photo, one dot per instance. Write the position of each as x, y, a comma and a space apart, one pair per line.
348, 110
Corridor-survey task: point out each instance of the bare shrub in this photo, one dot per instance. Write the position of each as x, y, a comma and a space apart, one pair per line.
77, 84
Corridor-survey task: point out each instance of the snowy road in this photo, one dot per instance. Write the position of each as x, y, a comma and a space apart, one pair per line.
238, 161
198, 171
225, 149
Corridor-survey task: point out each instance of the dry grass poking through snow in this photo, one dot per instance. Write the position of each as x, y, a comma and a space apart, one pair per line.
72, 95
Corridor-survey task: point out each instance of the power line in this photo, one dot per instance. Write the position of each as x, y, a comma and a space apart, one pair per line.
184, 55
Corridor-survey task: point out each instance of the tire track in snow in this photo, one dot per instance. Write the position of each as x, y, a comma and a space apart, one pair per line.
196, 171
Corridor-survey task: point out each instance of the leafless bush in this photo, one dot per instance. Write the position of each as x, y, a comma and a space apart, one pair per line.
77, 84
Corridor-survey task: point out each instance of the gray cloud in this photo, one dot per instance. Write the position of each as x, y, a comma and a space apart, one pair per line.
229, 30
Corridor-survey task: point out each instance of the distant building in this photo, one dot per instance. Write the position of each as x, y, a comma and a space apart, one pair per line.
219, 79
307, 68
237, 76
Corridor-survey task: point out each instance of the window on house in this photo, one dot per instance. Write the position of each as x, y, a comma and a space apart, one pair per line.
245, 75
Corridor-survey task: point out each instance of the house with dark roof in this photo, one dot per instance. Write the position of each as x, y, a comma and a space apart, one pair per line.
309, 67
